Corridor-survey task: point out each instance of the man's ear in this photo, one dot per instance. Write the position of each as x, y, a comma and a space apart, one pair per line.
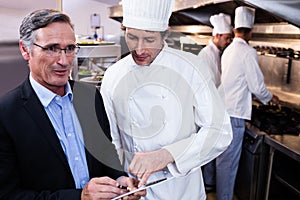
24, 51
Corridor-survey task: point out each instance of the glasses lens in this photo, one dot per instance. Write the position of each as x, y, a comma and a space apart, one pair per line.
54, 50
71, 50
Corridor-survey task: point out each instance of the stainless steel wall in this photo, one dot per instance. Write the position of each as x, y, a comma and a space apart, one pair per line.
284, 83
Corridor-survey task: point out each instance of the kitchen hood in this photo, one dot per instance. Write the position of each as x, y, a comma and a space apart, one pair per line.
197, 12
276, 23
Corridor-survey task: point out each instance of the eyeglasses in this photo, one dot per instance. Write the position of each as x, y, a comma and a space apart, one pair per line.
55, 51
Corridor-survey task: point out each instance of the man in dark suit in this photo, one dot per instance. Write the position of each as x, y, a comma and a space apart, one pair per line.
51, 144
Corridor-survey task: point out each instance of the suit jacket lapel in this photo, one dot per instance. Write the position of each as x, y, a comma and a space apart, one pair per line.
37, 112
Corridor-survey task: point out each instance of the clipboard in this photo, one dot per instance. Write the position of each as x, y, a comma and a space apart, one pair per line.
148, 185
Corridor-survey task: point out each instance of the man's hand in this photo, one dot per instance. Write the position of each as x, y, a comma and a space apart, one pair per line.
146, 163
101, 188
107, 188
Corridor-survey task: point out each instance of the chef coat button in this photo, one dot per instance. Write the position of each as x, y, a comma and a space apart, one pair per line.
134, 123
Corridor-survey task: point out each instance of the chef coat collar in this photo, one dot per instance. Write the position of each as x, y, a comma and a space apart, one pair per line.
215, 48
160, 55
237, 39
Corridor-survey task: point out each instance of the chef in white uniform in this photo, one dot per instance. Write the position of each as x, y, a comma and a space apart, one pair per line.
166, 116
211, 55
221, 38
241, 77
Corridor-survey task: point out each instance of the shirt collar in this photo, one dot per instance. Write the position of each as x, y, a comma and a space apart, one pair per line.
45, 95
237, 39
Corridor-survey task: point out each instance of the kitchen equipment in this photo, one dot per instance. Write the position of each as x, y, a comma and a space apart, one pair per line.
276, 119
268, 133
251, 177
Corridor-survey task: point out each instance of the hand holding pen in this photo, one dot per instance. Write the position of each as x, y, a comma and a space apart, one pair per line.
142, 188
130, 184
107, 188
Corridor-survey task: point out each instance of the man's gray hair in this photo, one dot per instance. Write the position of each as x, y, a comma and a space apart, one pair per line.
39, 19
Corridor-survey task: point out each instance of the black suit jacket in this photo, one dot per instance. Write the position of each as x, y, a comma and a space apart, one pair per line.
32, 162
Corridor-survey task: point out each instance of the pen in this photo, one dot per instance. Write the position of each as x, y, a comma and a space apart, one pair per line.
154, 182
148, 184
132, 191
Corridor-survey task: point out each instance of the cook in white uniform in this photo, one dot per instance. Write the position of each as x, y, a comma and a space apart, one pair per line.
221, 38
241, 77
166, 116
211, 55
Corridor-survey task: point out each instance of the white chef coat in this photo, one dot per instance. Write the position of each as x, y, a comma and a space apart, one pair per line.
212, 56
241, 77
163, 106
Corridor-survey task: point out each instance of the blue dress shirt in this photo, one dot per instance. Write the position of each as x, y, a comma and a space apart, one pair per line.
61, 113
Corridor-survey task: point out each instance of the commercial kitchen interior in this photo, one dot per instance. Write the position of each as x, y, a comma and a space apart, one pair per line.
270, 162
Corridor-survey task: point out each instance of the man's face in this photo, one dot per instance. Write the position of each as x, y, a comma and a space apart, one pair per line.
143, 45
52, 71
223, 40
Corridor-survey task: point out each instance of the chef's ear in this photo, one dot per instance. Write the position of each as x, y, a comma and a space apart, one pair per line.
24, 51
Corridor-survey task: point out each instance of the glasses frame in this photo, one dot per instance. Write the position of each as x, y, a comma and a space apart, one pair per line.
58, 53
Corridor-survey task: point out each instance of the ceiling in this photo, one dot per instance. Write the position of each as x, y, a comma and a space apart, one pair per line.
26, 4
109, 2
34, 4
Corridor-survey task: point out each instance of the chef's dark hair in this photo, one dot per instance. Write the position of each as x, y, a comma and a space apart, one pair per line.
39, 19
243, 30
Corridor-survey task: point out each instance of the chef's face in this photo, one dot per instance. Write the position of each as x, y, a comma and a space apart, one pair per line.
223, 40
49, 69
144, 45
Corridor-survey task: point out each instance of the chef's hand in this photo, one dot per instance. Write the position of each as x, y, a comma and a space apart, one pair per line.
107, 188
145, 163
275, 100
131, 184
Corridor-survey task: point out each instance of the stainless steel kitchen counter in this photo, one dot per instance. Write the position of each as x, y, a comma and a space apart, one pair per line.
289, 145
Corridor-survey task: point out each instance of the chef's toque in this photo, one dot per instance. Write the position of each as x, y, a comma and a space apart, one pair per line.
221, 23
150, 15
244, 17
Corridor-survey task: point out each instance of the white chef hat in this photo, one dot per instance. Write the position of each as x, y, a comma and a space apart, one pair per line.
150, 15
244, 17
221, 23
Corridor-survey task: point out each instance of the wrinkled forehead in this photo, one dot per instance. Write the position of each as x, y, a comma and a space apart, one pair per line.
56, 33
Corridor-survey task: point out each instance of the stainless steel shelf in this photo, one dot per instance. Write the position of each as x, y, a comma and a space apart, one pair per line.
105, 55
